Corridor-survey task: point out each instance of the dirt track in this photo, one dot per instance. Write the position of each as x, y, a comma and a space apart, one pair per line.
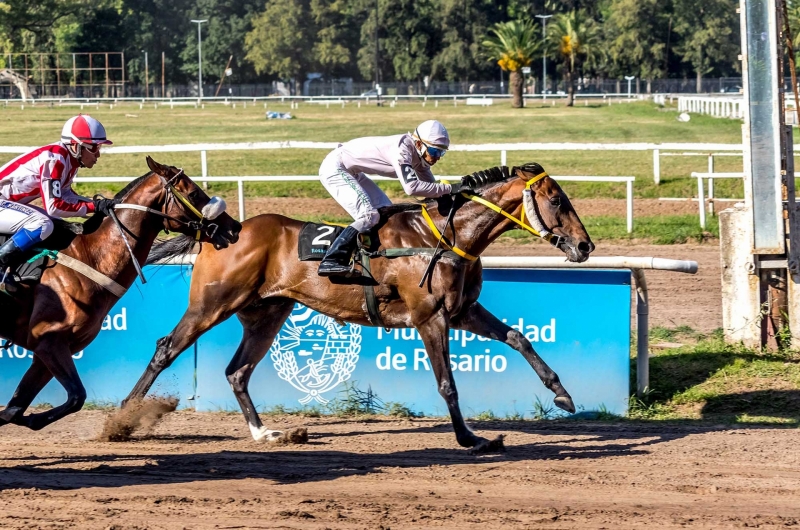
202, 471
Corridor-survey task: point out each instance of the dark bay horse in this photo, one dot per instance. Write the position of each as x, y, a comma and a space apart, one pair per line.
64, 312
260, 279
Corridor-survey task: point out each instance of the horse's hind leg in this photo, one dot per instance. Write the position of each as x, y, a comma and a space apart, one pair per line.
261, 322
481, 322
34, 380
57, 358
193, 324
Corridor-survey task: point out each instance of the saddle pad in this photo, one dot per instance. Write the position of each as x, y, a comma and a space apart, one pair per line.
28, 272
315, 240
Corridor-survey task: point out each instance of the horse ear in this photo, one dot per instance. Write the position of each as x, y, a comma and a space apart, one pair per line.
154, 166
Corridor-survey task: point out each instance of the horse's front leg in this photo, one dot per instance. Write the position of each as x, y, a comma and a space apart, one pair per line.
478, 320
434, 333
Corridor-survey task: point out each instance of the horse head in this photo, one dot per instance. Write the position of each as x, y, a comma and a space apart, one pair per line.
189, 210
545, 204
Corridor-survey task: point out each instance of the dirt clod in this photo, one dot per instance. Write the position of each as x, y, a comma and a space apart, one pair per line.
141, 415
294, 436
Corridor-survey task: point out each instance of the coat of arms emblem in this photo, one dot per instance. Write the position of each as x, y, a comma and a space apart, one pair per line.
314, 354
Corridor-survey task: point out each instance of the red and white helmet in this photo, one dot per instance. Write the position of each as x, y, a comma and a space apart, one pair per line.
83, 129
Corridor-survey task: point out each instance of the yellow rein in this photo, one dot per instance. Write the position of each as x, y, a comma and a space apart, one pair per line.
480, 200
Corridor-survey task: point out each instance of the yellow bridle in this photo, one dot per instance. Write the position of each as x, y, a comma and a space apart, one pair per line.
480, 200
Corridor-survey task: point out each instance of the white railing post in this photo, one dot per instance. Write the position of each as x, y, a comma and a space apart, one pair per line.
629, 204
503, 157
701, 202
240, 184
204, 167
711, 195
657, 166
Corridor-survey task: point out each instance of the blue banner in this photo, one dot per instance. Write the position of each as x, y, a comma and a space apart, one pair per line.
577, 320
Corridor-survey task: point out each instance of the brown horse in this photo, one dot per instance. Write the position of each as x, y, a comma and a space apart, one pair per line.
64, 312
260, 279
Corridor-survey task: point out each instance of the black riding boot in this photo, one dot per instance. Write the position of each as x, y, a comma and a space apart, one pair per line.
337, 260
9, 254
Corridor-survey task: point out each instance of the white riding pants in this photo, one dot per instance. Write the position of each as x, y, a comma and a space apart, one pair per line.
357, 194
15, 217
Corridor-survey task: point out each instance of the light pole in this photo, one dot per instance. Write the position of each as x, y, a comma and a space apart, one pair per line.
629, 78
544, 56
146, 76
199, 57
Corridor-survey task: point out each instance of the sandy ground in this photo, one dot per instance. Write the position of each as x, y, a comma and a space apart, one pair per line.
203, 471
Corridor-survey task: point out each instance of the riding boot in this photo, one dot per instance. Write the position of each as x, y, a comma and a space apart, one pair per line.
9, 254
337, 261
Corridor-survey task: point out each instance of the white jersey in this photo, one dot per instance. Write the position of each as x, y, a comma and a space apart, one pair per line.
392, 156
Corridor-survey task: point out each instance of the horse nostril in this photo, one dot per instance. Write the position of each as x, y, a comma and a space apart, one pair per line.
585, 247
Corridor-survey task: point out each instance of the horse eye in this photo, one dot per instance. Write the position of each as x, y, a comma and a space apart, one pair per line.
556, 201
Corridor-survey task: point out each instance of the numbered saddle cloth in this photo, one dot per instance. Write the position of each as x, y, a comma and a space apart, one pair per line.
315, 240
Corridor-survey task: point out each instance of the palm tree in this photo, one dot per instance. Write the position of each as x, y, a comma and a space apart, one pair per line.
576, 39
513, 45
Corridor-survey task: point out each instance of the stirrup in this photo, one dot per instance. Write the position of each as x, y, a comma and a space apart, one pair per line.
341, 271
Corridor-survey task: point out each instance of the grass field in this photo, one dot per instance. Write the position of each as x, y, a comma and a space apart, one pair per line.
617, 123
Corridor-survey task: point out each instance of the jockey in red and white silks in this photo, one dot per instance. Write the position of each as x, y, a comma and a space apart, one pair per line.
47, 172
406, 157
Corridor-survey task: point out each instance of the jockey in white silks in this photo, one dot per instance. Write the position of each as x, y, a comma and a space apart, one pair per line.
407, 157
46, 172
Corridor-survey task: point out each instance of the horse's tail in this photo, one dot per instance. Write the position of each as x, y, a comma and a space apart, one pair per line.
171, 248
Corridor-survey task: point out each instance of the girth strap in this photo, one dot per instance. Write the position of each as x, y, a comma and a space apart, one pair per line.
369, 294
82, 268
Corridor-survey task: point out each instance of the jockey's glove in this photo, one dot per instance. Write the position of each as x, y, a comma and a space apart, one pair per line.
461, 187
104, 206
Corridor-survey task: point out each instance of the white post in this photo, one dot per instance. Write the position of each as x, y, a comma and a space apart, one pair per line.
701, 201
711, 195
629, 200
240, 185
204, 168
656, 166
503, 157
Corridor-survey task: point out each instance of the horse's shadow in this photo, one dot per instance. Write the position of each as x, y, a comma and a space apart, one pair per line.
577, 441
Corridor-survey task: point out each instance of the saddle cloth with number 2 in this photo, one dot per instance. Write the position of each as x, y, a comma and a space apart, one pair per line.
315, 239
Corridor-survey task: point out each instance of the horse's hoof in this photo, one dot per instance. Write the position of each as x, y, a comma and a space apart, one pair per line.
565, 403
489, 446
265, 435
8, 414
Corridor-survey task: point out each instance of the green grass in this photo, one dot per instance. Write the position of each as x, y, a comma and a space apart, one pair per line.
712, 380
618, 123
627, 122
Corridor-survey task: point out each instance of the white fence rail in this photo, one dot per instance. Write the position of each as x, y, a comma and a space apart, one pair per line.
314, 178
719, 107
659, 150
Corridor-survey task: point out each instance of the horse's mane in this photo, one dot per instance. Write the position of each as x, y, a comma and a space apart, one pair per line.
478, 181
132, 184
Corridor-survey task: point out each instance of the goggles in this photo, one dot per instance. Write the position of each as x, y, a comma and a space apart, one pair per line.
434, 152
92, 148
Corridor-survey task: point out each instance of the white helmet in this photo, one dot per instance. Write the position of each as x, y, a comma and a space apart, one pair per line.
432, 133
434, 138
83, 130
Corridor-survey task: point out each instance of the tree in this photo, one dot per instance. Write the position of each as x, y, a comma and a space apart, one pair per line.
638, 32
576, 39
280, 39
710, 35
513, 45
